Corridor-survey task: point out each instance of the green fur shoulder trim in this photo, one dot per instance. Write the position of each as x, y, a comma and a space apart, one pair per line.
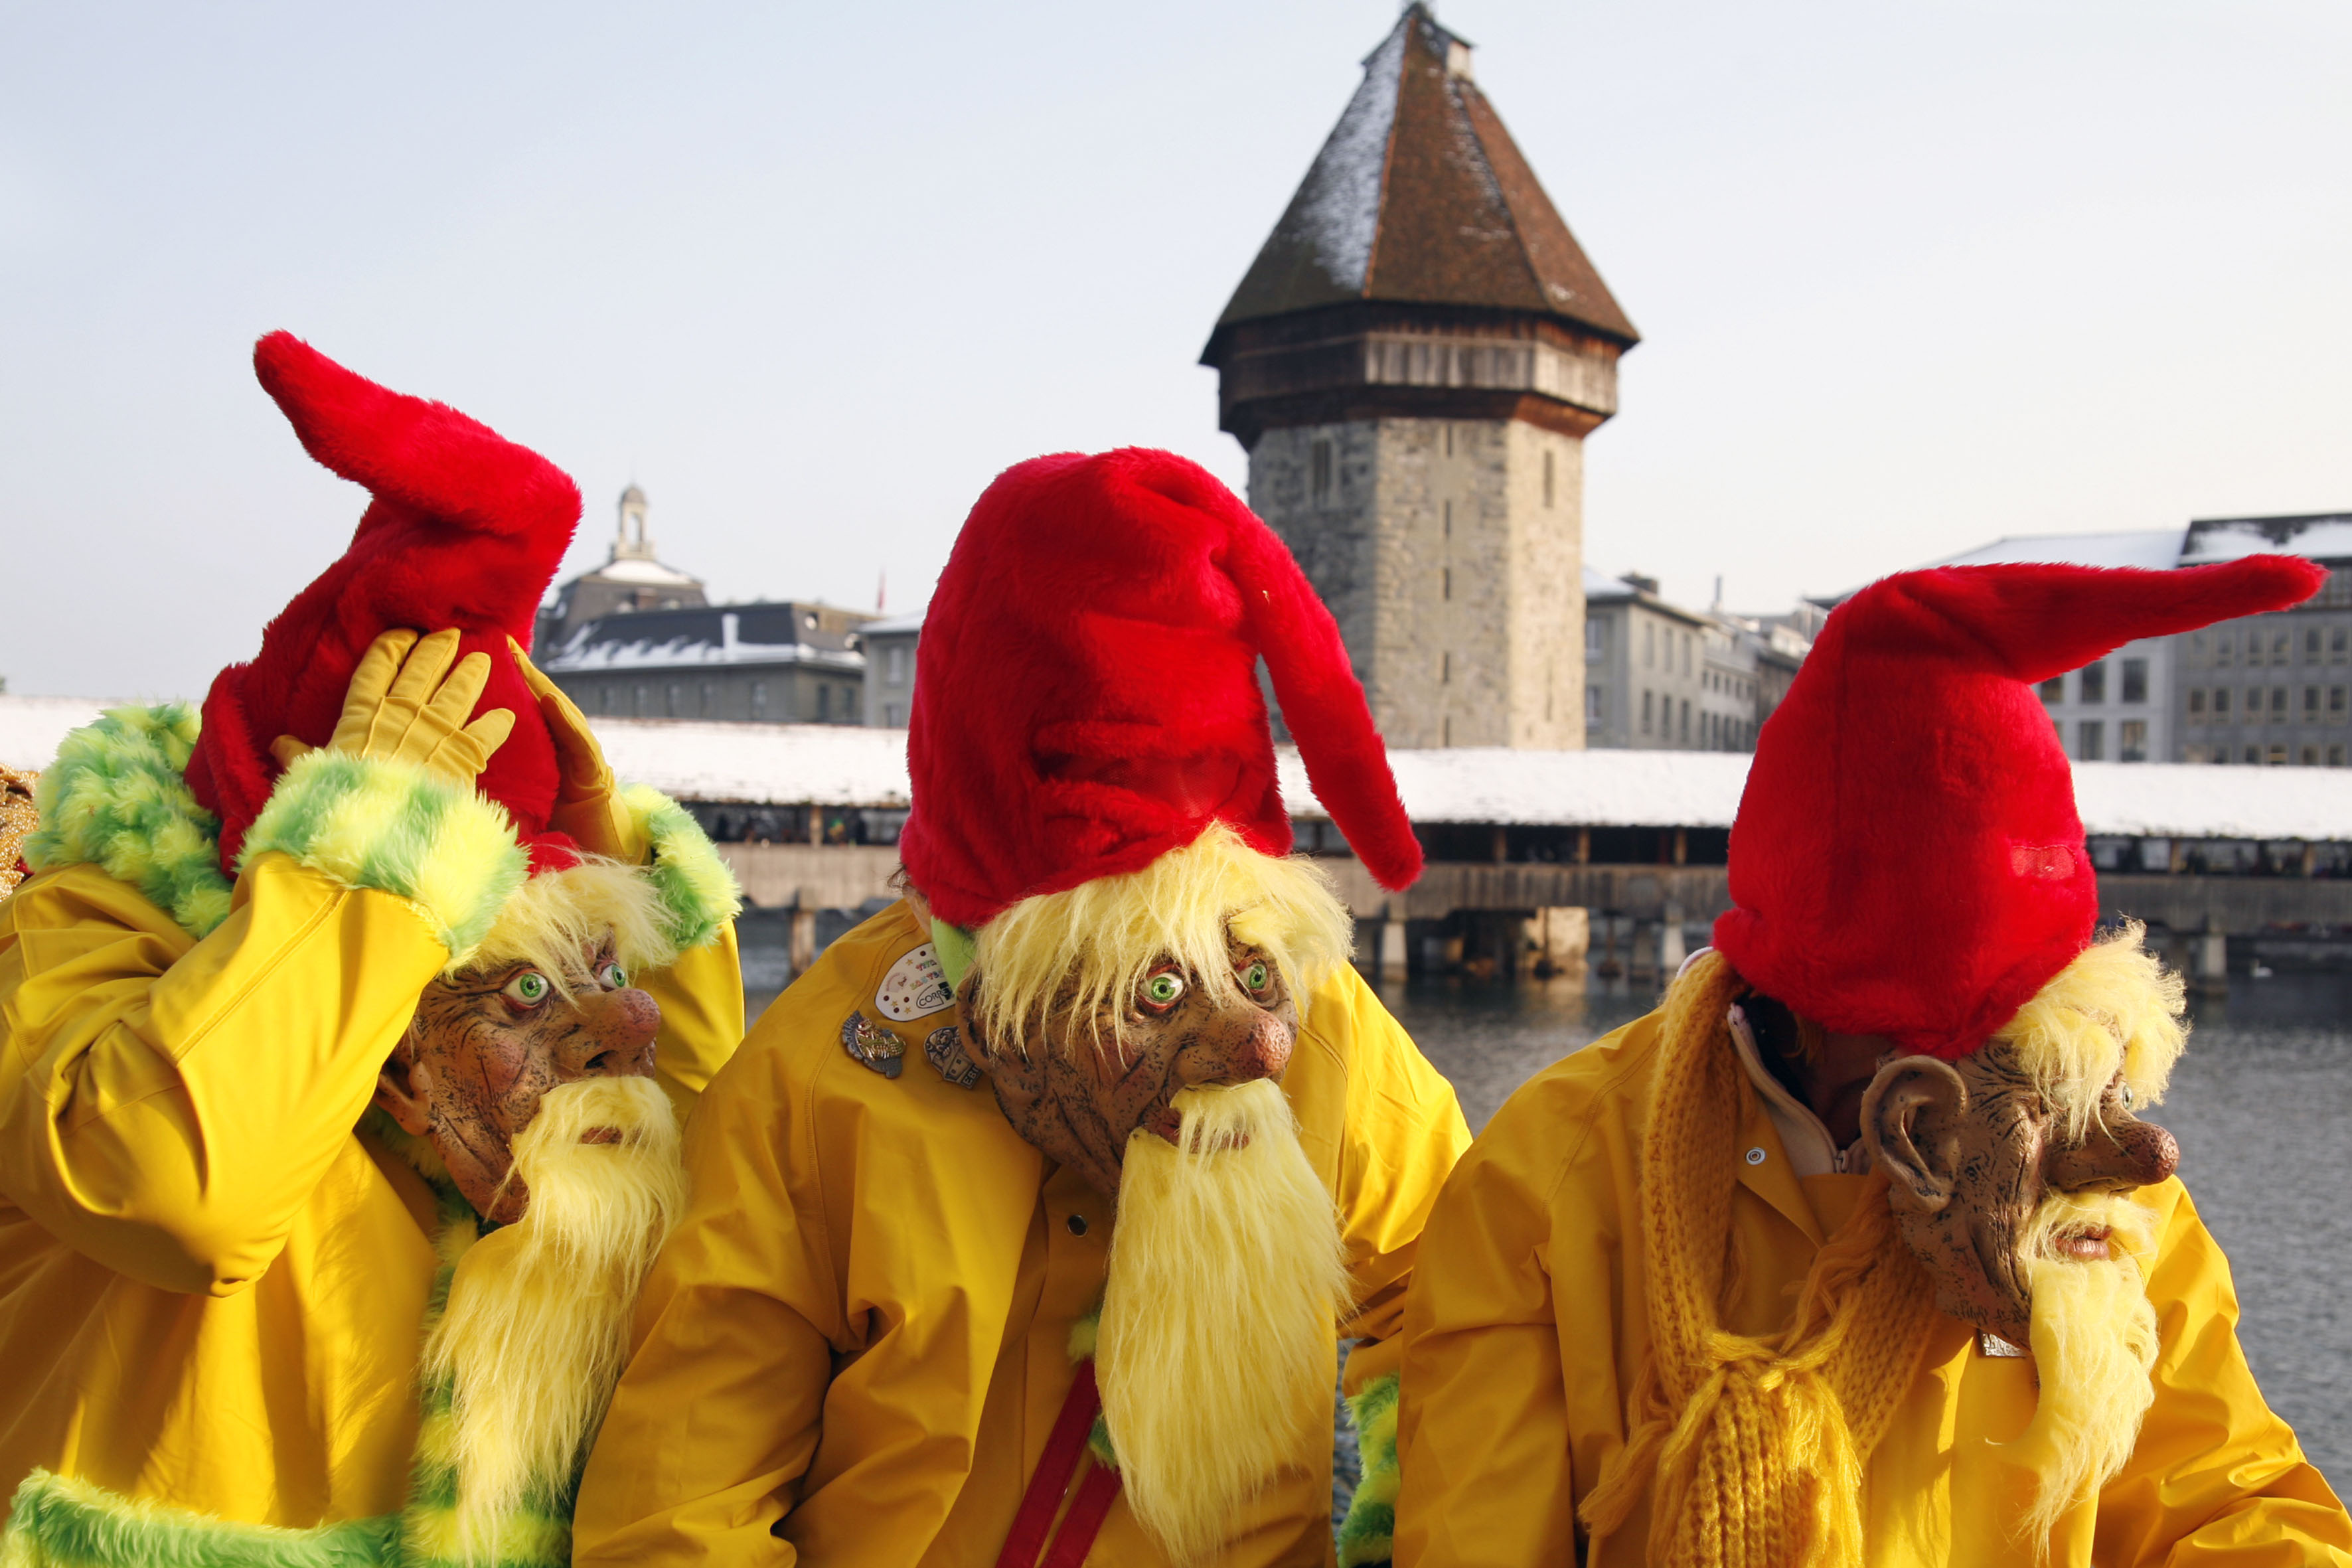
55, 1522
1368, 1535
398, 828
116, 798
699, 894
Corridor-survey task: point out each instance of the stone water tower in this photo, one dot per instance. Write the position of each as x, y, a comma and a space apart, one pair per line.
1412, 362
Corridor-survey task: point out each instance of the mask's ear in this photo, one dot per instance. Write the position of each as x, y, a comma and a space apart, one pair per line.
1911, 1125
402, 1088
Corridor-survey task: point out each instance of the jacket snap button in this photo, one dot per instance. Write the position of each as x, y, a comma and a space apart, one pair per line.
1755, 1156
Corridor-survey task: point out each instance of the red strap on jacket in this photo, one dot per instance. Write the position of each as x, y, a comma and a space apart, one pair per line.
1066, 1449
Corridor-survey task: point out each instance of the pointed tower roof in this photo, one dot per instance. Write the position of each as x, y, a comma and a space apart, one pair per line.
1420, 196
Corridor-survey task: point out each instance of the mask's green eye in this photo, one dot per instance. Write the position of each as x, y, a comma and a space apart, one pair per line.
1162, 989
528, 989
615, 977
1257, 976
2124, 1093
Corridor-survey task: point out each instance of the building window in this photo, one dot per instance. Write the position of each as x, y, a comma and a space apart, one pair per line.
2093, 684
1547, 479
1596, 641
1446, 582
898, 664
1448, 514
2221, 705
2054, 691
2278, 756
1318, 479
2278, 704
2311, 646
2222, 643
2131, 740
2134, 680
2337, 641
1685, 720
2279, 642
2336, 704
2310, 704
824, 703
1592, 705
2196, 705
2310, 756
2090, 740
1445, 669
2334, 756
894, 717
1687, 653
2253, 756
1645, 712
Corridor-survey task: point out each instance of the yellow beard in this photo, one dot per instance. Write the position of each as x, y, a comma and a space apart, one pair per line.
2095, 1345
536, 1329
1225, 1281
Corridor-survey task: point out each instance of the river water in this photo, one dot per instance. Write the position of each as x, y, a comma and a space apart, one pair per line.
2261, 1104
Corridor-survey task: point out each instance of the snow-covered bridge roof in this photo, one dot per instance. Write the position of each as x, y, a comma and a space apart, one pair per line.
832, 765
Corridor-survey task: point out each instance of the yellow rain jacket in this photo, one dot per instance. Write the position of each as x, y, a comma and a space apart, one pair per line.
852, 1350
211, 1288
1527, 1328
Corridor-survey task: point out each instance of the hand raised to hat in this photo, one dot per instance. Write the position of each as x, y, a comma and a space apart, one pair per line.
587, 797
407, 704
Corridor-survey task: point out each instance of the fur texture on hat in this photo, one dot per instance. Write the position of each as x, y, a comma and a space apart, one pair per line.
1908, 860
466, 530
1087, 696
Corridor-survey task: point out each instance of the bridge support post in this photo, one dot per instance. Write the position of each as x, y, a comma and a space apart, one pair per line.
2209, 963
1670, 945
804, 938
1392, 954
1558, 940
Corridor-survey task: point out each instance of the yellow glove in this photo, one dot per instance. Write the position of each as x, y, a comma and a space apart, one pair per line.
587, 797
404, 702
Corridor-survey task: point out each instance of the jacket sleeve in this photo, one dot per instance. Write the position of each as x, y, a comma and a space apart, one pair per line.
1485, 1438
1404, 1132
701, 1000
716, 1420
167, 1105
2217, 1477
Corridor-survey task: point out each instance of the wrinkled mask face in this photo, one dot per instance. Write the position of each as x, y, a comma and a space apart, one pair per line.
487, 1044
1987, 1178
1078, 1082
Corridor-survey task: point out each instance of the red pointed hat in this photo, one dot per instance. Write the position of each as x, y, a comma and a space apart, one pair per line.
466, 530
1908, 860
1087, 695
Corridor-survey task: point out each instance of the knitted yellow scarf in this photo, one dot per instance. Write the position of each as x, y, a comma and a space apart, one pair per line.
1751, 1449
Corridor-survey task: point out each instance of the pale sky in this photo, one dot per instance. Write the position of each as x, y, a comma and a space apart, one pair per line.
1910, 276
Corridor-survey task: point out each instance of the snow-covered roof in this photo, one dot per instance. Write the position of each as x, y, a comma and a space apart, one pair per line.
2325, 537
892, 626
638, 570
1598, 584
580, 656
832, 765
2153, 549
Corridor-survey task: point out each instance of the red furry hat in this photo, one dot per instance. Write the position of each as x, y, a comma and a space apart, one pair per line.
1906, 860
467, 530
1088, 699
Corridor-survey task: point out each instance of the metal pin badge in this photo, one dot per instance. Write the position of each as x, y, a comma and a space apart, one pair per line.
870, 1045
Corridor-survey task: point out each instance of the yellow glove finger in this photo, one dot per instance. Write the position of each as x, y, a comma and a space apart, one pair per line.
585, 772
464, 754
289, 750
364, 698
490, 732
421, 675
448, 708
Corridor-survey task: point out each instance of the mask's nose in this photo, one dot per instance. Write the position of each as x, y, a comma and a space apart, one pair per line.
615, 1037
1264, 1054
2116, 1158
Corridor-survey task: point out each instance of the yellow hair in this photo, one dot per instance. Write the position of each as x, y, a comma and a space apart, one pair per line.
1107, 934
557, 915
2116, 1008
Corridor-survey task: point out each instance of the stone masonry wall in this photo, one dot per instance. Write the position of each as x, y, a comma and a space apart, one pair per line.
1457, 588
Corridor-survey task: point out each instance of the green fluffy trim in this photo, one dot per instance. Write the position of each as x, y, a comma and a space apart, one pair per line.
697, 893
58, 1522
398, 828
1368, 1534
115, 798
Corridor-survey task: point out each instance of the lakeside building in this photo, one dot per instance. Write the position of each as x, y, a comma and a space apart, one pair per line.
2263, 690
638, 639
889, 648
1661, 677
1412, 362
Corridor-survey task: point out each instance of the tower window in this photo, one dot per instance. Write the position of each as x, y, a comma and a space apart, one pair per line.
1319, 476
1449, 439
1546, 479
1449, 519
1445, 667
1446, 582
